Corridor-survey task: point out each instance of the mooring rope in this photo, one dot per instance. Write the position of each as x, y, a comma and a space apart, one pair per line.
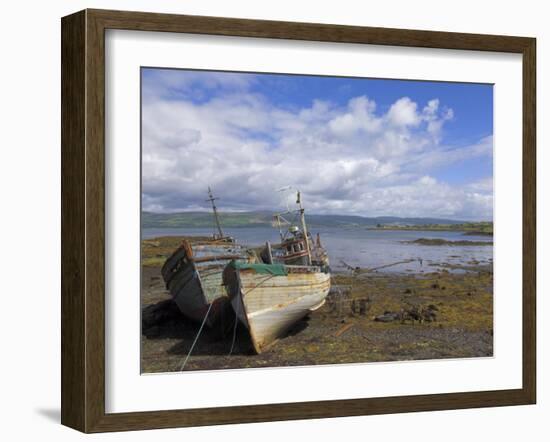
196, 338
359, 270
234, 334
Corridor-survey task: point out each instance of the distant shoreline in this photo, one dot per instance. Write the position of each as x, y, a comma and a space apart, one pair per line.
444, 242
471, 229
427, 229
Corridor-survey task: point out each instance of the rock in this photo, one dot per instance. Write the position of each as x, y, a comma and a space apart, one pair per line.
429, 315
411, 314
364, 306
159, 313
387, 317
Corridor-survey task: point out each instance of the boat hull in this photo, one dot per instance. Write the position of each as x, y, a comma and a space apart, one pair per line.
270, 305
193, 276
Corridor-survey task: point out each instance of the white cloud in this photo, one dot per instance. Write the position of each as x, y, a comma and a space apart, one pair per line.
359, 118
434, 121
350, 159
403, 113
444, 156
431, 108
427, 196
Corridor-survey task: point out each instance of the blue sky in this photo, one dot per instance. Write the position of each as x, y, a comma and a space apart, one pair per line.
367, 147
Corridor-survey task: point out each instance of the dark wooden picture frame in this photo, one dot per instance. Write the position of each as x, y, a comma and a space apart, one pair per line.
83, 220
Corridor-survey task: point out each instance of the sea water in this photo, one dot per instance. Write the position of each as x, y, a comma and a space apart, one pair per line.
366, 248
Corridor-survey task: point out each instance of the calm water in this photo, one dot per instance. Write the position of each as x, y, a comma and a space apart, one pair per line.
365, 248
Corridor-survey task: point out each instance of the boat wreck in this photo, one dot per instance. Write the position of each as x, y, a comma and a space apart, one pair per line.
269, 298
193, 274
292, 281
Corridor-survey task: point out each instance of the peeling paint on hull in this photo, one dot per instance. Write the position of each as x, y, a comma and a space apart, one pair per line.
269, 305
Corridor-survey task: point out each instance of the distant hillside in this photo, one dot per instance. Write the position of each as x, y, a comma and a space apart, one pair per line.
205, 219
263, 219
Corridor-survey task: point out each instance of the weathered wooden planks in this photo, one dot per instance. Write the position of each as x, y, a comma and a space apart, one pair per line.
269, 305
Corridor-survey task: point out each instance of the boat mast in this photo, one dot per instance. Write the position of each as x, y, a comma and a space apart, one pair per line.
304, 227
278, 218
215, 210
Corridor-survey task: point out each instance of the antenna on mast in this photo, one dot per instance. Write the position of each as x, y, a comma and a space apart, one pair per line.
215, 210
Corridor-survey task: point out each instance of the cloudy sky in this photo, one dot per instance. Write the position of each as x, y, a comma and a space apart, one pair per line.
352, 146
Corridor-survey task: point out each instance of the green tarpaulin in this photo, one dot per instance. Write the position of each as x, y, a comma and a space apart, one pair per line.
268, 269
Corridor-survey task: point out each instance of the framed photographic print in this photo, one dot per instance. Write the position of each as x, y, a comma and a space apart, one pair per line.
269, 220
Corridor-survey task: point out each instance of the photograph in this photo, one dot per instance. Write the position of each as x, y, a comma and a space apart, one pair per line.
297, 220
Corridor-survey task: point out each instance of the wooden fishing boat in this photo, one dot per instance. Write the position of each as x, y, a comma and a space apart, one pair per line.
193, 274
270, 298
292, 281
